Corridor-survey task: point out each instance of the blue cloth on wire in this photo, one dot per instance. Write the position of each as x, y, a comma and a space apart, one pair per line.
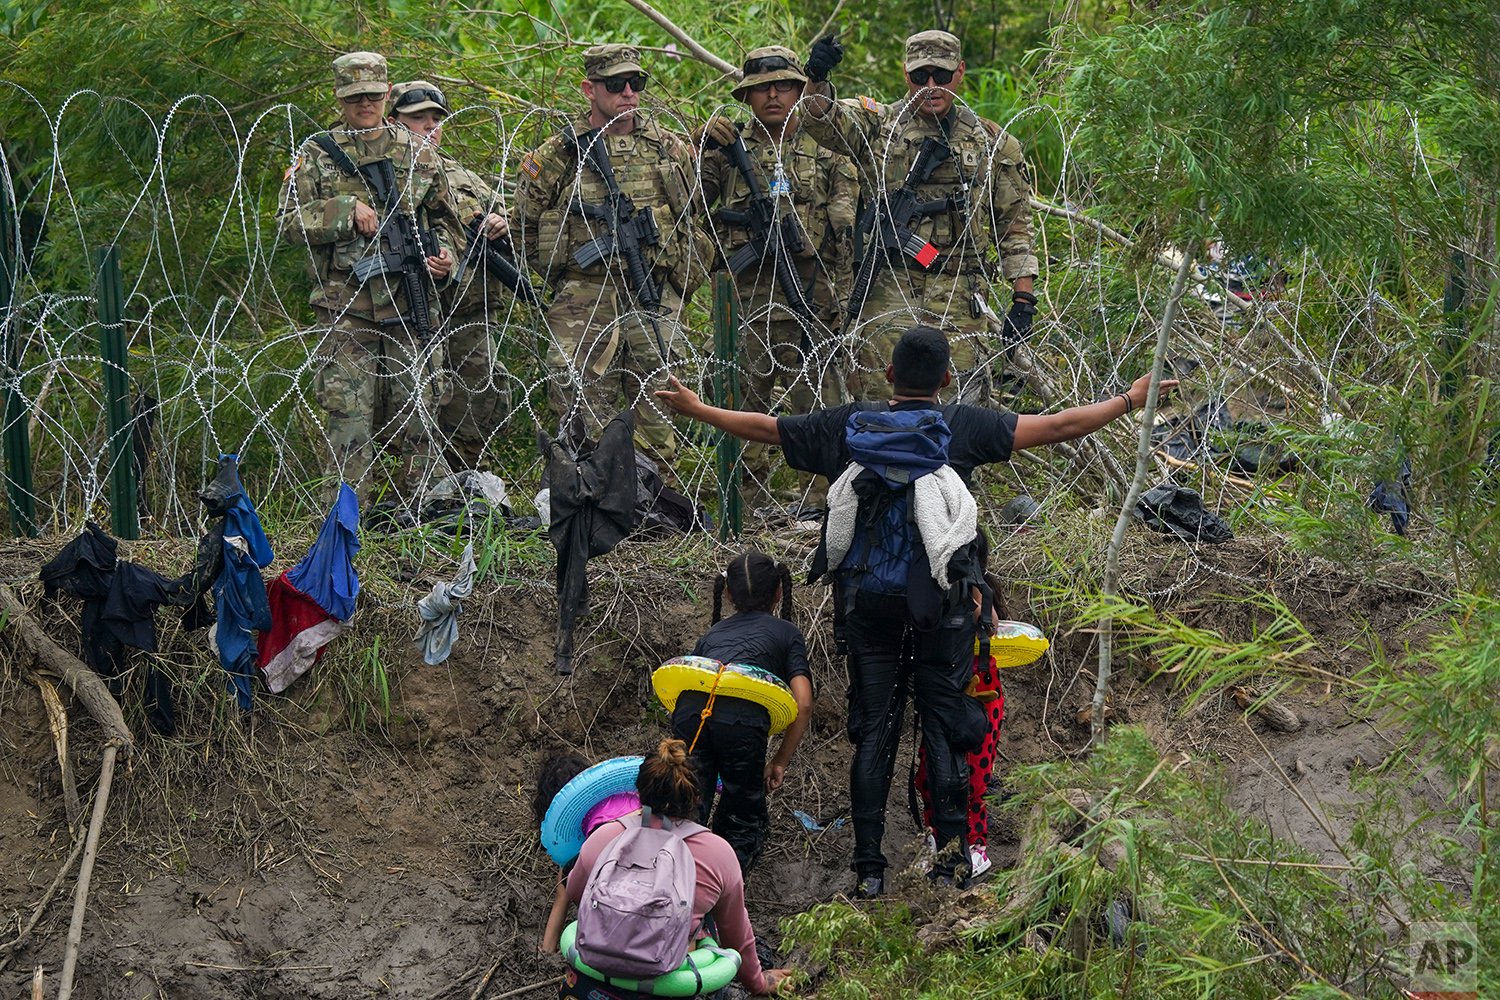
240, 592
326, 573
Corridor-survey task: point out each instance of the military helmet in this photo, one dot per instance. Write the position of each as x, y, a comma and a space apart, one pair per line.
411, 96
768, 64
359, 73
938, 49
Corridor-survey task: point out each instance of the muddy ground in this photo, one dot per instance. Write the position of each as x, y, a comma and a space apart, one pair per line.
302, 858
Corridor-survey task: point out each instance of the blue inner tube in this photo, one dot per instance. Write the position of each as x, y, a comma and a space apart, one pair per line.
707, 968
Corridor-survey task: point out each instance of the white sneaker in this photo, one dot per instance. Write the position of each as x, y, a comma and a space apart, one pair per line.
979, 860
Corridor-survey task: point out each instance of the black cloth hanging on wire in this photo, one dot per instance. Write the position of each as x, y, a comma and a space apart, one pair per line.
593, 505
119, 612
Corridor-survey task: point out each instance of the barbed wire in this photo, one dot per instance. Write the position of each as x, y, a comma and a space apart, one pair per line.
224, 352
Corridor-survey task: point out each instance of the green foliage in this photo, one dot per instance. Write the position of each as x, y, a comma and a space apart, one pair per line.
1220, 907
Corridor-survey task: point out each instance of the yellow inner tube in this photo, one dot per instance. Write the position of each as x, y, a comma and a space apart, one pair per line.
725, 680
1014, 644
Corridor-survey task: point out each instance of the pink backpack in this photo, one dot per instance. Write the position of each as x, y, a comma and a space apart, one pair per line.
635, 919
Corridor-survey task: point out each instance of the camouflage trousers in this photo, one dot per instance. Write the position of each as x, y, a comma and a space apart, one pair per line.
477, 398
604, 356
898, 302
379, 392
774, 374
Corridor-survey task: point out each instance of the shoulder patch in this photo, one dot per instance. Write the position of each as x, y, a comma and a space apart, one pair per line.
870, 104
531, 166
296, 164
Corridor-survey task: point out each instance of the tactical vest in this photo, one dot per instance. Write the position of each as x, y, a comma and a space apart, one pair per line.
798, 175
645, 170
472, 195
962, 234
330, 265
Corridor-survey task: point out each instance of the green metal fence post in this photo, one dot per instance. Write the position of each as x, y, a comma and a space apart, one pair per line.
123, 517
17, 435
727, 388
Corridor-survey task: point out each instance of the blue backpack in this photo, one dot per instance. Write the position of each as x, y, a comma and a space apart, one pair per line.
896, 448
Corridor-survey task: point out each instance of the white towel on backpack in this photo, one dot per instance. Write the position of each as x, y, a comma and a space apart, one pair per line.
946, 516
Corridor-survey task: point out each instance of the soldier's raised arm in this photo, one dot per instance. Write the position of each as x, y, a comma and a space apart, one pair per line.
1010, 203
848, 127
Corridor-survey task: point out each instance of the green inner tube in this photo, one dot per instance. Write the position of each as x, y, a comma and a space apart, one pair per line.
706, 968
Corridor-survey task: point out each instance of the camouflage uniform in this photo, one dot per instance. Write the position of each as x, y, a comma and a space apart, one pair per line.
821, 187
604, 355
479, 398
375, 380
988, 224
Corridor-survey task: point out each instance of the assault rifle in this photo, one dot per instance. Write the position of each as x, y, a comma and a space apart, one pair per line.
490, 256
628, 230
780, 238
404, 248
888, 226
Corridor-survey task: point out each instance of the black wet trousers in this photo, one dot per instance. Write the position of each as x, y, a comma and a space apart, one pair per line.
886, 654
735, 755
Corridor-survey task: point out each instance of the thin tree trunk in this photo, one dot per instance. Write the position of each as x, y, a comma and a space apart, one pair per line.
86, 871
1142, 464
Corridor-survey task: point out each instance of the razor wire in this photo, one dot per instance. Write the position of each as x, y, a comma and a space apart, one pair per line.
225, 351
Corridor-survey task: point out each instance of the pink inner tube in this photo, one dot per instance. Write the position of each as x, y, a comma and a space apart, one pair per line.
611, 808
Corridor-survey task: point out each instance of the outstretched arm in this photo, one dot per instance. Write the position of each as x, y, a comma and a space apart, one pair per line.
1033, 429
742, 424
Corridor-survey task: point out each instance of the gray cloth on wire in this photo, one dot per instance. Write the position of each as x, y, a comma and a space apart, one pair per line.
439, 610
1177, 510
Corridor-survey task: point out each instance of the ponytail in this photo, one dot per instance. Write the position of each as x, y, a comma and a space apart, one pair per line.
667, 783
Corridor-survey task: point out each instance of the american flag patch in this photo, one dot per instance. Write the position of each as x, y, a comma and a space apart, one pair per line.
530, 167
870, 104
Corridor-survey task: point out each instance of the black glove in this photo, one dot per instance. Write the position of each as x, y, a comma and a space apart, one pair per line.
1018, 320
826, 54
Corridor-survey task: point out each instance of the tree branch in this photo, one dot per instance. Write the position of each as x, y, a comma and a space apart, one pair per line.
698, 51
1137, 482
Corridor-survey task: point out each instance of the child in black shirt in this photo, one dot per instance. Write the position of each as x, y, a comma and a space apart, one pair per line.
730, 745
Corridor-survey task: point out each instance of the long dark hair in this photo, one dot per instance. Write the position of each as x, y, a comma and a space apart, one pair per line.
752, 578
555, 771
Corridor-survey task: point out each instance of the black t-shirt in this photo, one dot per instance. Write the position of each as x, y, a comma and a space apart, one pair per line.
759, 639
815, 442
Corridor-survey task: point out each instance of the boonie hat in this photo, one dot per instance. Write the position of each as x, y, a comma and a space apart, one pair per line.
417, 95
768, 64
359, 73
611, 59
933, 48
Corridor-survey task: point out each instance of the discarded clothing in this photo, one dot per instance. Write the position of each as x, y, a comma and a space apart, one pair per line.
1177, 510
439, 610
661, 509
326, 574
1390, 497
119, 611
240, 592
300, 630
311, 603
592, 507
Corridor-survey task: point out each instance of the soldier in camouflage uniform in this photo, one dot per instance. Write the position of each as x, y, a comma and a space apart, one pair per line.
821, 188
375, 380
607, 352
477, 397
986, 227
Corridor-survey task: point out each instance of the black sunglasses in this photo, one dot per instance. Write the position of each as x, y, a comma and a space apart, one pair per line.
418, 96
354, 99
941, 77
780, 86
767, 63
617, 84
